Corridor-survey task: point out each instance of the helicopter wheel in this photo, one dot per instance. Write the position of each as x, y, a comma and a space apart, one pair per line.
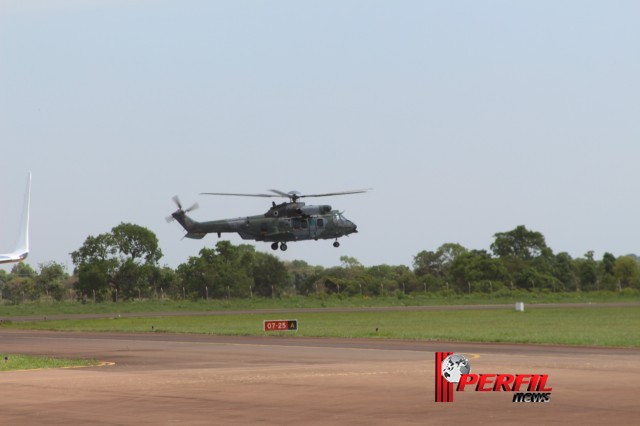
283, 246
336, 244
274, 246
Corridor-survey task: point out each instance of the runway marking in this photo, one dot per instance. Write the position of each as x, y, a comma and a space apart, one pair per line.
100, 364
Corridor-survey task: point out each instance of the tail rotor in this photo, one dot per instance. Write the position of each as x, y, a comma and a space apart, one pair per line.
180, 211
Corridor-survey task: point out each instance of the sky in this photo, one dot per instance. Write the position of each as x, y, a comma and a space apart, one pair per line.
465, 118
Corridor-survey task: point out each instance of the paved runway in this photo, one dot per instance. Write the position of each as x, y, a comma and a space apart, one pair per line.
202, 380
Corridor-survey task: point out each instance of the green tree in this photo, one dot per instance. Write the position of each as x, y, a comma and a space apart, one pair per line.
93, 280
587, 272
137, 243
437, 263
352, 276
565, 272
303, 276
165, 282
450, 251
627, 271
432, 268
4, 279
122, 261
51, 280
606, 272
350, 262
525, 256
269, 274
378, 280
333, 280
519, 243
428, 263
21, 285
473, 267
230, 270
23, 270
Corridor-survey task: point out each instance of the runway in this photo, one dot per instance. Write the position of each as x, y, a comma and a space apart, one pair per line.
185, 379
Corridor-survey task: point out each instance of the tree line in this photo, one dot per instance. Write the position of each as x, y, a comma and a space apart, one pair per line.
123, 264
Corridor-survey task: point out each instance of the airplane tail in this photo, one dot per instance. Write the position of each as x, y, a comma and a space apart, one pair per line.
21, 250
23, 240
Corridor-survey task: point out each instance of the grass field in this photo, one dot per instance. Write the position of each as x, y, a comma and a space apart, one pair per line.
286, 302
597, 326
10, 362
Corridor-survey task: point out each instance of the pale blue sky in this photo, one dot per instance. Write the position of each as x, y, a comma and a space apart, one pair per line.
466, 117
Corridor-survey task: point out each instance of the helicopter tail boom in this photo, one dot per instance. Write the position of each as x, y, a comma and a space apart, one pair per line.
185, 221
197, 230
189, 225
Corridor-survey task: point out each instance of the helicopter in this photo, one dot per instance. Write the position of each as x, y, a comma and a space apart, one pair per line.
282, 223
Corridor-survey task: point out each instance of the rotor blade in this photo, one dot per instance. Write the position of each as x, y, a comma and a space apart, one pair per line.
280, 193
239, 195
292, 194
328, 194
195, 206
177, 201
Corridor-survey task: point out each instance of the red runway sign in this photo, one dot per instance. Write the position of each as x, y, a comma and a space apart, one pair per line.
280, 325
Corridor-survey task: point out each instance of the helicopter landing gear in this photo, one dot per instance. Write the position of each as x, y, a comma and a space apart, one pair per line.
283, 246
274, 246
336, 244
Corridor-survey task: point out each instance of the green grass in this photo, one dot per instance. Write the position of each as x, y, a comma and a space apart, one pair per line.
286, 302
597, 326
9, 362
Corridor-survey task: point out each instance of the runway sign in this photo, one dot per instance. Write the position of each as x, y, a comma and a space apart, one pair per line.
280, 325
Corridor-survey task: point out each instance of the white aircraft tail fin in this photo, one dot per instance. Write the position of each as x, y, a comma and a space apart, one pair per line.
21, 250
23, 239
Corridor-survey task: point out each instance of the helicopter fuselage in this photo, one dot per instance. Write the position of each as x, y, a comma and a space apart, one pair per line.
282, 223
292, 221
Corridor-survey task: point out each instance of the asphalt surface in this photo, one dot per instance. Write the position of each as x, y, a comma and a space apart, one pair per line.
167, 379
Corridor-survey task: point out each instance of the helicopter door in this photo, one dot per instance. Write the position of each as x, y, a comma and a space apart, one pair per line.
313, 227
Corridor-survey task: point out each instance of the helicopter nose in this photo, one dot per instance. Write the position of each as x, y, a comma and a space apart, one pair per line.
353, 227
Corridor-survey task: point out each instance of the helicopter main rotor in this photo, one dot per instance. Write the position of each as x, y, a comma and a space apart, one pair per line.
293, 196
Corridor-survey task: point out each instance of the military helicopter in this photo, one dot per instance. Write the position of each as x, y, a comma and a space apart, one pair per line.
282, 223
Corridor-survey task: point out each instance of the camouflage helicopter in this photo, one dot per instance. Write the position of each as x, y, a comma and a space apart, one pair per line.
282, 223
